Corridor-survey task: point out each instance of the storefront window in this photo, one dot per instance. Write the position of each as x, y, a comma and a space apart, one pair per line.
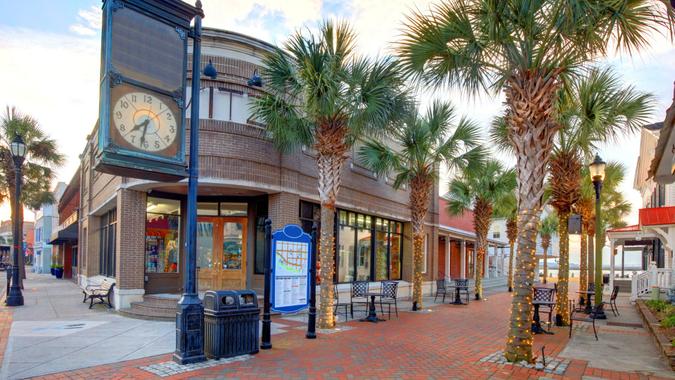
207, 208
162, 235
363, 255
381, 246
377, 253
233, 209
346, 254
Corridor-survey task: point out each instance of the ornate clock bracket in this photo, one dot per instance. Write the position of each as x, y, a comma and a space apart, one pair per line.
115, 78
178, 98
181, 33
116, 5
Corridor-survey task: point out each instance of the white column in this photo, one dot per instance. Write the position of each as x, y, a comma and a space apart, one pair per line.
462, 270
448, 251
486, 262
612, 253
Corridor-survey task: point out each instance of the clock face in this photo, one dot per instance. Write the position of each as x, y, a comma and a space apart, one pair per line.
145, 121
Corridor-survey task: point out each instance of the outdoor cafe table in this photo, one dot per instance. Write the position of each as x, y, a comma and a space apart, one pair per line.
458, 300
372, 313
536, 324
589, 300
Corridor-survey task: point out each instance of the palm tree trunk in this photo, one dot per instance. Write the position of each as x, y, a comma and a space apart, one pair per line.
329, 167
482, 216
545, 247
420, 190
512, 233
583, 265
529, 99
562, 317
512, 244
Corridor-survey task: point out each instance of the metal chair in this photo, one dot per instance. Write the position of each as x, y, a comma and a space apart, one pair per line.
545, 294
580, 319
612, 301
358, 295
441, 289
389, 296
337, 304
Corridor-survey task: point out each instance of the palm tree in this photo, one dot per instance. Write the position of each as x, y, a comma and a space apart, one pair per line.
508, 209
527, 50
547, 228
320, 94
594, 109
42, 158
585, 208
481, 188
425, 142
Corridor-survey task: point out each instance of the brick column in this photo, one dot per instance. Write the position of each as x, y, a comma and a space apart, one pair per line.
283, 208
130, 248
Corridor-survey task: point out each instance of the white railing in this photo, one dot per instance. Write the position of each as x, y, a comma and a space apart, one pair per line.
642, 283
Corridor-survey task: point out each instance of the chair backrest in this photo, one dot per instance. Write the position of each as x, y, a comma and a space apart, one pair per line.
543, 294
462, 283
440, 285
359, 289
389, 289
615, 293
591, 287
336, 294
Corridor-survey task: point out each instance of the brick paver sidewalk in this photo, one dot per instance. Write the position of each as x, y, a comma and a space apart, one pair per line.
446, 343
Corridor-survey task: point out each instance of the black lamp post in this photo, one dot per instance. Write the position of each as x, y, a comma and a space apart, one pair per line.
597, 171
190, 312
18, 150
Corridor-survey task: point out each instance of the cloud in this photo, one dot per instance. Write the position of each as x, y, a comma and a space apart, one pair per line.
54, 78
88, 22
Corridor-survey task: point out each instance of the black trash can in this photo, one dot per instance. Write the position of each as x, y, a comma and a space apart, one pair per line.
605, 278
231, 319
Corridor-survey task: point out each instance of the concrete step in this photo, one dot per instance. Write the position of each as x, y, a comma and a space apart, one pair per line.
149, 314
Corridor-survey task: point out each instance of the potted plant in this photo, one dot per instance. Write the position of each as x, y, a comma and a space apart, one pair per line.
58, 271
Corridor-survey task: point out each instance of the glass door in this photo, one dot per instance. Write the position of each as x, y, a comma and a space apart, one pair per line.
221, 253
207, 256
233, 266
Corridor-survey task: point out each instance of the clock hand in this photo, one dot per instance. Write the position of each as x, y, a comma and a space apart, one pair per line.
145, 130
139, 125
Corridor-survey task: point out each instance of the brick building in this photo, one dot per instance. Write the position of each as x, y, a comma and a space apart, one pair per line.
132, 230
64, 238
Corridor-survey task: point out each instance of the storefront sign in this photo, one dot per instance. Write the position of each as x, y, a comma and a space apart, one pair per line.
291, 250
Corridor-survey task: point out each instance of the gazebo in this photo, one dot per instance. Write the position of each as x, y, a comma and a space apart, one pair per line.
656, 226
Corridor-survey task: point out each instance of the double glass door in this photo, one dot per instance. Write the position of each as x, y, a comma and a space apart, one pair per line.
221, 253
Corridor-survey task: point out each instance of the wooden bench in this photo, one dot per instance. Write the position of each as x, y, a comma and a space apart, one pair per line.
102, 292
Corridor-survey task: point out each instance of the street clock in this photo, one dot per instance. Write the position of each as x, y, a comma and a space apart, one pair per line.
142, 90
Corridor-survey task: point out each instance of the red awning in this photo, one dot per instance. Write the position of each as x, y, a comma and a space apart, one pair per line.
657, 216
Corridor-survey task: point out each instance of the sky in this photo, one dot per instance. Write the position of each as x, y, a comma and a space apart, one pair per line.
50, 51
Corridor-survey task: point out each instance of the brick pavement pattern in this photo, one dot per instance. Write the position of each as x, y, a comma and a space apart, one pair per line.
447, 343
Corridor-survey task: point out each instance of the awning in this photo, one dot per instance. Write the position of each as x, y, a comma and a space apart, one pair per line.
65, 235
657, 216
633, 228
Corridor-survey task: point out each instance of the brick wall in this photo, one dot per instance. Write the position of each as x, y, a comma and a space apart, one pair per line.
130, 258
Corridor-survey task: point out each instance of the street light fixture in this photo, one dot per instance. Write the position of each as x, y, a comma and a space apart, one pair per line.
18, 149
597, 171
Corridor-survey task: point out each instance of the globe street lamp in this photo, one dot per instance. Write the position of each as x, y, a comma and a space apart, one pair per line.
597, 171
18, 149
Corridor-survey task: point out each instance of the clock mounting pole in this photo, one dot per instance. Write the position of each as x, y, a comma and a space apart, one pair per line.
190, 313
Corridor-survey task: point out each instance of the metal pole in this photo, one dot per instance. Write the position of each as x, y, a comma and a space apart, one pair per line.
311, 320
266, 343
14, 297
190, 313
598, 313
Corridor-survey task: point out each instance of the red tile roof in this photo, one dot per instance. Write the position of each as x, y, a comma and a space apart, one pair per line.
657, 216
633, 228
